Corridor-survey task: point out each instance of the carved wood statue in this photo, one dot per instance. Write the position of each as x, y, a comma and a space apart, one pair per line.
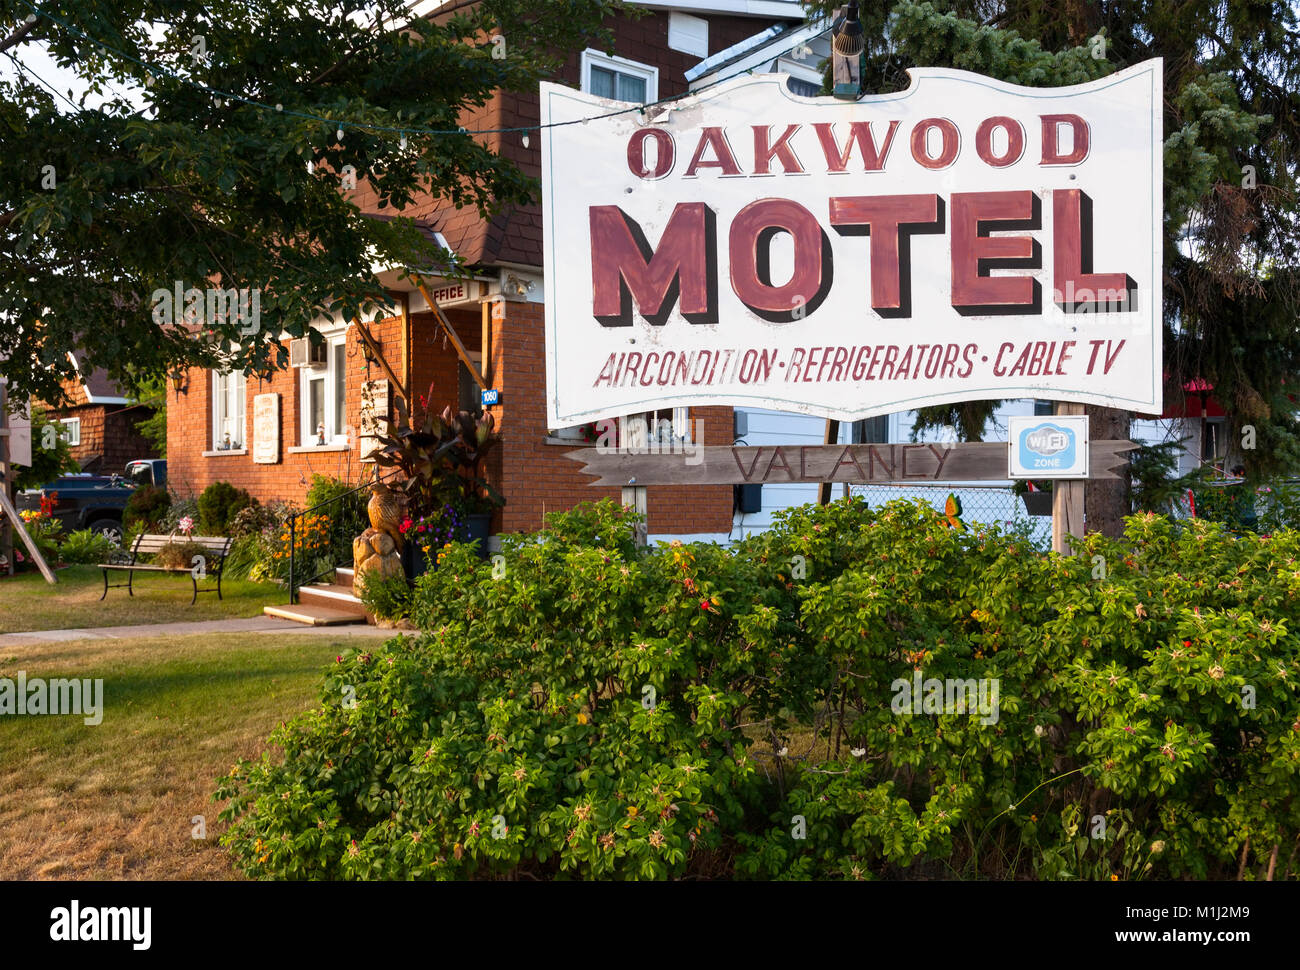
377, 552
387, 508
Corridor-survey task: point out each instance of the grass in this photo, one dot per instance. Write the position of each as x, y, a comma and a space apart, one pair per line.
115, 801
28, 603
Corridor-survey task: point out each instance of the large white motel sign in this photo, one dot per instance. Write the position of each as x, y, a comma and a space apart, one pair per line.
963, 239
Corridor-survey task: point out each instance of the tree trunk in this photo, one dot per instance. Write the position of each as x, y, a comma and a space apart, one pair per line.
1106, 502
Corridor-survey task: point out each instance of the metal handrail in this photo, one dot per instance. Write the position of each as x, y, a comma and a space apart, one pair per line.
336, 562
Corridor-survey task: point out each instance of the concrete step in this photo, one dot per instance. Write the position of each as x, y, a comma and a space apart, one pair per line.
314, 614
333, 596
343, 576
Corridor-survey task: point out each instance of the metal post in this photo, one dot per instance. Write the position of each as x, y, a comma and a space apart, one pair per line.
293, 592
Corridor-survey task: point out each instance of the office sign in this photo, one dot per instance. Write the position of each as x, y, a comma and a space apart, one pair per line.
1048, 447
963, 239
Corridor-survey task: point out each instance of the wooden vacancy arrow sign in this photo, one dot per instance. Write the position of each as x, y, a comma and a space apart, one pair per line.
855, 464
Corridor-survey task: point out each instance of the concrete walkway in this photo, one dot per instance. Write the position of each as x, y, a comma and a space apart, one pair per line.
253, 624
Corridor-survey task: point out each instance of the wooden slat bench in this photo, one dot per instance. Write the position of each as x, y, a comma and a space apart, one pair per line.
215, 551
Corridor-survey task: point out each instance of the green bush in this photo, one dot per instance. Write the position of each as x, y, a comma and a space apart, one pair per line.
147, 507
1279, 507
325, 488
218, 504
1232, 505
251, 519
51, 453
85, 546
599, 711
388, 599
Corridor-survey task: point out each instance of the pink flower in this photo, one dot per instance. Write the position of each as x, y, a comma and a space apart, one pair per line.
186, 524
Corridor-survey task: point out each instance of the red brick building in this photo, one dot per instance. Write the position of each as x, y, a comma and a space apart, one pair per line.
271, 436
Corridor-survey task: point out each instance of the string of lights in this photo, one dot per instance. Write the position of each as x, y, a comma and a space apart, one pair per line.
342, 125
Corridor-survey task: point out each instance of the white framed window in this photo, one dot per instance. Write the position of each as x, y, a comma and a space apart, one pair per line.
323, 397
71, 432
618, 78
228, 393
662, 428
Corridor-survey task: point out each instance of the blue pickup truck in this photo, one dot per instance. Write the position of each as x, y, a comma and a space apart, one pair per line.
96, 502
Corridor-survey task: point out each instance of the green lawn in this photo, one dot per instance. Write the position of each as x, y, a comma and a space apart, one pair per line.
27, 602
115, 801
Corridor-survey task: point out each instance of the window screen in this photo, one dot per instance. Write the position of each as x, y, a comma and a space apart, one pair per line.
617, 85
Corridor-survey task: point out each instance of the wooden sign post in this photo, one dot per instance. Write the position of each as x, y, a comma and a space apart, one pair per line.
1067, 497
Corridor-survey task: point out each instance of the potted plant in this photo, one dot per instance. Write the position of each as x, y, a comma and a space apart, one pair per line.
426, 534
1037, 496
442, 457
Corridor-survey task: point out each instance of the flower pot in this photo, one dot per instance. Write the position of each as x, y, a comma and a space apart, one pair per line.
1038, 503
479, 525
415, 562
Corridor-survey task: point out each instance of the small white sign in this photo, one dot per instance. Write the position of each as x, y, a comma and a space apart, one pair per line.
266, 429
1049, 446
374, 411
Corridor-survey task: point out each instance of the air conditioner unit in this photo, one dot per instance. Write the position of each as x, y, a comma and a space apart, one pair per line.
302, 353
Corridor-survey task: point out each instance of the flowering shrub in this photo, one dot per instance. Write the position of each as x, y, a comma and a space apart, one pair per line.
600, 711
45, 530
435, 530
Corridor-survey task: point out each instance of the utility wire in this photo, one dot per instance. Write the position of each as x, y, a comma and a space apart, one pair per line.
23, 68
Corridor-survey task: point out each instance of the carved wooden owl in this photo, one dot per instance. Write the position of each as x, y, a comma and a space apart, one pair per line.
387, 508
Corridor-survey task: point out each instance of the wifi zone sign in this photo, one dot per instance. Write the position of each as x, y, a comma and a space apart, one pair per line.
1055, 447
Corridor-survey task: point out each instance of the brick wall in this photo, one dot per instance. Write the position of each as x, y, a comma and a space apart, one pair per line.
189, 429
539, 478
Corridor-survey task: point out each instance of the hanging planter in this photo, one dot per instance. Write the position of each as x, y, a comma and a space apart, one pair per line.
1038, 503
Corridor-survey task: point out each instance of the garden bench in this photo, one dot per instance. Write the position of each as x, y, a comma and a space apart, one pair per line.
215, 551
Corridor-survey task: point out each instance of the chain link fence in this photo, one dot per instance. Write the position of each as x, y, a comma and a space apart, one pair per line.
986, 504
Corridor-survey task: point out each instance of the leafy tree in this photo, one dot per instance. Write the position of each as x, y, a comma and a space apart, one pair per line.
152, 394
101, 207
1232, 100
51, 454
